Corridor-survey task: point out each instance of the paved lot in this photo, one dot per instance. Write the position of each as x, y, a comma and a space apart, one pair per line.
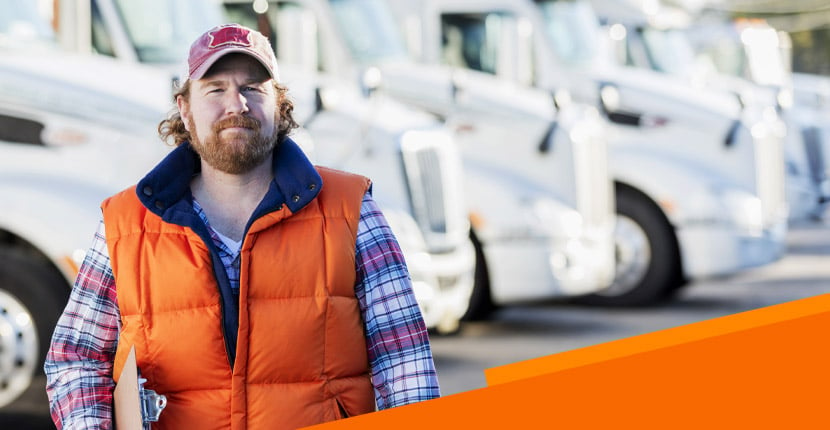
524, 332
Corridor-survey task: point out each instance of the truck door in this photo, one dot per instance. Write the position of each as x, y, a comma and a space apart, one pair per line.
480, 45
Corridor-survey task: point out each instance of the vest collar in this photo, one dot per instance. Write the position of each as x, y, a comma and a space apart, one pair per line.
296, 181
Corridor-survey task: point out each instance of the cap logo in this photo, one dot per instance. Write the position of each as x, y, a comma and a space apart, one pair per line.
229, 38
230, 35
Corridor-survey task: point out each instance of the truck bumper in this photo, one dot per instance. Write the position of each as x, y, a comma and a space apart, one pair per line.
445, 299
544, 269
722, 250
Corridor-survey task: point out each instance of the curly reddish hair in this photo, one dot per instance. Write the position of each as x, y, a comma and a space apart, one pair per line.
173, 126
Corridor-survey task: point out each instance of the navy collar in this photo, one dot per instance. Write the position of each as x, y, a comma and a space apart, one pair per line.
166, 189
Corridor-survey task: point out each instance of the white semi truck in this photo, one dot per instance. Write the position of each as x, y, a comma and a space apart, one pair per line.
747, 58
699, 181
536, 178
409, 156
72, 132
752, 54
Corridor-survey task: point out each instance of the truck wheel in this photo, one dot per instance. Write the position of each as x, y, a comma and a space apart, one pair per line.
481, 303
32, 296
648, 259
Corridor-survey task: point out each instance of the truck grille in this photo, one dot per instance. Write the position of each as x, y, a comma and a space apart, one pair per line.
770, 175
432, 170
594, 189
815, 154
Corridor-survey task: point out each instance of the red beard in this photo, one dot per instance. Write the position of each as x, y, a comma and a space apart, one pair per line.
234, 152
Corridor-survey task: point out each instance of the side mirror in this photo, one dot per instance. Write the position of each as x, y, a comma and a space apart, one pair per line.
371, 80
319, 106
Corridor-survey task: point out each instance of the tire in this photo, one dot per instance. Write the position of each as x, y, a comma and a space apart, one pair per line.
648, 258
481, 302
32, 296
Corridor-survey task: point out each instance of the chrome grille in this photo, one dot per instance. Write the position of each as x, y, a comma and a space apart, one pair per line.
433, 176
594, 188
815, 153
770, 174
431, 197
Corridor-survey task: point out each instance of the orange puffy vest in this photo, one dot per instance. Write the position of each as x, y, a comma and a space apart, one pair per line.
301, 354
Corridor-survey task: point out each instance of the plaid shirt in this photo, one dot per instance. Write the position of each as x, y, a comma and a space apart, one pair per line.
79, 363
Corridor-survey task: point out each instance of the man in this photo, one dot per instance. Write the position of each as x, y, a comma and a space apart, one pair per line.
258, 291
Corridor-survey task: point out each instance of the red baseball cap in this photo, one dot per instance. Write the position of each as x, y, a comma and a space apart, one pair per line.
226, 39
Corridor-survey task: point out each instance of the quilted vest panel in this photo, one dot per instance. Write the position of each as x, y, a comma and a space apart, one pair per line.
301, 354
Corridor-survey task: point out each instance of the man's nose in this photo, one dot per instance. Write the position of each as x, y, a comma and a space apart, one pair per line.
237, 103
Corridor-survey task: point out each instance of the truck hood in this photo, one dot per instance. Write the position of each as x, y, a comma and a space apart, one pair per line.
811, 90
434, 86
378, 111
90, 86
651, 93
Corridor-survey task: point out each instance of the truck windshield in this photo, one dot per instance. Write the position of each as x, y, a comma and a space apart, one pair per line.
369, 30
765, 60
752, 52
669, 51
572, 28
162, 30
22, 22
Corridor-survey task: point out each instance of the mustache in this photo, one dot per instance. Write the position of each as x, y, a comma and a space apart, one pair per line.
236, 121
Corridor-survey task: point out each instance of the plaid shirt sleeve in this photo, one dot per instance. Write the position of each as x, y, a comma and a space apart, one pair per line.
79, 362
399, 353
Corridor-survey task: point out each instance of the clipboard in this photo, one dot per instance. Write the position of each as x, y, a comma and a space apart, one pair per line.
127, 400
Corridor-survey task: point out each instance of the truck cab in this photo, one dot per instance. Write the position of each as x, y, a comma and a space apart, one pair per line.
699, 187
73, 130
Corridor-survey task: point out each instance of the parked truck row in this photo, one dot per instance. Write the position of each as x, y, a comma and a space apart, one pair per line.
513, 158
698, 180
744, 57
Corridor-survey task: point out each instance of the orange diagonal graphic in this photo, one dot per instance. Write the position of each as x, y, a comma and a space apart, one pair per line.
767, 368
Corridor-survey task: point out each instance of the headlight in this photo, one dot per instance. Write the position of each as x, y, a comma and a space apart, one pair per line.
744, 209
418, 261
406, 230
534, 219
559, 219
785, 98
610, 97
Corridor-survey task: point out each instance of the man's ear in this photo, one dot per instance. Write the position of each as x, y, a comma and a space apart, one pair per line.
184, 111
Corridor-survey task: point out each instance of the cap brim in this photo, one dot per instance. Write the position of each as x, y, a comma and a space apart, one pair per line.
199, 72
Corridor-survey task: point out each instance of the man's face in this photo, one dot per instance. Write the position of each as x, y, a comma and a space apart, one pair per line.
232, 114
